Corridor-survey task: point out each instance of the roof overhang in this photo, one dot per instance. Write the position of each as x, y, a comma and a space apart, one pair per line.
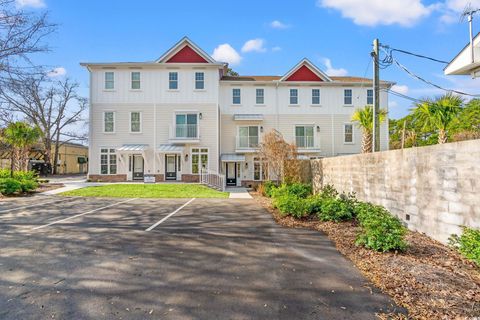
464, 63
248, 117
169, 148
129, 148
232, 157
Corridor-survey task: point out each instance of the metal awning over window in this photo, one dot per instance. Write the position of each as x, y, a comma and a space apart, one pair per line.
248, 117
232, 157
128, 148
169, 148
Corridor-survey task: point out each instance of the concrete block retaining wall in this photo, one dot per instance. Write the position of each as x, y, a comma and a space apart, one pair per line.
434, 190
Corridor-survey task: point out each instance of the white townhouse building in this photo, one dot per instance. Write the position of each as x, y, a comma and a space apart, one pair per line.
169, 118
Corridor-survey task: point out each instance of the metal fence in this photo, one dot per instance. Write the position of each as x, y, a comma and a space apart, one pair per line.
212, 179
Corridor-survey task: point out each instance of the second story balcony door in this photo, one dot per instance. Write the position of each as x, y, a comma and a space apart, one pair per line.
186, 126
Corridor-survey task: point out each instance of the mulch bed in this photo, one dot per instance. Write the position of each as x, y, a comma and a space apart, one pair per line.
429, 279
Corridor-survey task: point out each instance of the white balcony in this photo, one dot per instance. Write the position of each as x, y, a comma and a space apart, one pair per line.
306, 144
247, 144
184, 133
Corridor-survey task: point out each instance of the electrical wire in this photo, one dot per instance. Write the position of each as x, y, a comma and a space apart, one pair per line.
401, 95
413, 54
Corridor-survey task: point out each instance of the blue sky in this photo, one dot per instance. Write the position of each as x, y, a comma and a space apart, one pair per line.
336, 35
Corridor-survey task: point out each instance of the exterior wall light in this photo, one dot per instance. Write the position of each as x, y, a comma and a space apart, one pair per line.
318, 128
261, 128
200, 116
246, 165
186, 157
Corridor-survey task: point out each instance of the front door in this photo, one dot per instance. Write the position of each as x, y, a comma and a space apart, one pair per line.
137, 167
231, 169
170, 167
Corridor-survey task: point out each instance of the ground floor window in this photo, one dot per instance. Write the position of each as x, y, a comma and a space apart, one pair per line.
108, 161
259, 169
199, 159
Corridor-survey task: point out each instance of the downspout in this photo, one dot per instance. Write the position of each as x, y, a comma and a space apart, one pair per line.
155, 139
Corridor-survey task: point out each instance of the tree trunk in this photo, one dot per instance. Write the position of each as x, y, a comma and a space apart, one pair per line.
47, 153
12, 162
55, 155
367, 142
442, 136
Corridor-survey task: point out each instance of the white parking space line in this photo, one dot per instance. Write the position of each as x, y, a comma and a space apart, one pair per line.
82, 214
168, 216
32, 205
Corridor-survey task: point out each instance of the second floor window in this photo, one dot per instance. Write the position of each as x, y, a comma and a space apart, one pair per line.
135, 80
186, 125
293, 96
347, 96
315, 96
199, 80
173, 80
370, 96
248, 137
109, 121
236, 99
348, 133
135, 122
304, 136
259, 96
109, 80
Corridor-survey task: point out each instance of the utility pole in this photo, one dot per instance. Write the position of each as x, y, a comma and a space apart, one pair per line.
376, 97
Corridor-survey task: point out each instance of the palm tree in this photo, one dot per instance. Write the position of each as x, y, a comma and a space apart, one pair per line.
438, 114
20, 136
364, 120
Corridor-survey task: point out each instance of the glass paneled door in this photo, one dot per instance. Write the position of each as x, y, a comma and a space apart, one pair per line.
137, 167
171, 167
231, 169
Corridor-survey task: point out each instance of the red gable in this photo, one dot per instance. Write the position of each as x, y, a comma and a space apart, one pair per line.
303, 74
187, 55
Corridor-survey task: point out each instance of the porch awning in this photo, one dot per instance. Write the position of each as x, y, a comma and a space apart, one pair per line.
248, 117
132, 148
232, 157
169, 148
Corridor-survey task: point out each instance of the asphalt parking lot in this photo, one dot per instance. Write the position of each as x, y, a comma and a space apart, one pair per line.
87, 258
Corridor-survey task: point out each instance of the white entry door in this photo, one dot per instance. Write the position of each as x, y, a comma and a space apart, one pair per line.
171, 167
137, 167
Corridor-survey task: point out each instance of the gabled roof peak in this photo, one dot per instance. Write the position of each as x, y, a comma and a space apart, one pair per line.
185, 51
305, 70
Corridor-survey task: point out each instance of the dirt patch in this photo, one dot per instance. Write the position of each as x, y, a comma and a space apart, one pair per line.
48, 186
429, 279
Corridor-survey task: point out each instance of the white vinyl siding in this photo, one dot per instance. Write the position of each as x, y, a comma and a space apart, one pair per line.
293, 96
259, 96
109, 122
236, 96
108, 161
199, 80
347, 97
173, 80
135, 122
109, 80
135, 85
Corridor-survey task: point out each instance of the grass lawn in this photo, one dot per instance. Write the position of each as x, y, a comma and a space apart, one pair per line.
148, 191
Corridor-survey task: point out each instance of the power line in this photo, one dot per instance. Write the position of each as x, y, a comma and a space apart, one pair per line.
401, 95
413, 54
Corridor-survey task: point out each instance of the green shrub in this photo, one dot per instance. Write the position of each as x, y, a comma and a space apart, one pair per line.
381, 231
295, 189
468, 244
28, 185
328, 191
334, 209
9, 186
267, 188
291, 205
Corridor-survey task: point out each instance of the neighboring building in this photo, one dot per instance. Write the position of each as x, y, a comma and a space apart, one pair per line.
72, 158
467, 61
171, 117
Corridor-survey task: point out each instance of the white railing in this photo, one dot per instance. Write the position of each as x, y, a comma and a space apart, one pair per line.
212, 179
304, 142
184, 131
245, 142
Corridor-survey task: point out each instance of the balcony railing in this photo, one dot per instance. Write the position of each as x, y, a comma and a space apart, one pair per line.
184, 131
305, 142
245, 142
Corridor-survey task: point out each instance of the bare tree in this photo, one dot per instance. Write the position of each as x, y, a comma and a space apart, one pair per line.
53, 106
21, 35
280, 157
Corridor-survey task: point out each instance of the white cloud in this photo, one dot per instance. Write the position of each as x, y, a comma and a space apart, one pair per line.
453, 8
331, 71
30, 3
403, 89
376, 12
275, 24
277, 48
225, 53
392, 104
57, 72
254, 45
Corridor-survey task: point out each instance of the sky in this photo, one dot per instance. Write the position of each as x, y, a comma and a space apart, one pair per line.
266, 37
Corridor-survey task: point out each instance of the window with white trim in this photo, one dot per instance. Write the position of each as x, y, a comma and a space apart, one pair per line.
199, 159
259, 169
199, 80
173, 80
108, 161
109, 80
369, 96
347, 96
315, 96
293, 96
236, 96
109, 121
259, 96
135, 121
304, 136
186, 125
135, 76
248, 137
348, 133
